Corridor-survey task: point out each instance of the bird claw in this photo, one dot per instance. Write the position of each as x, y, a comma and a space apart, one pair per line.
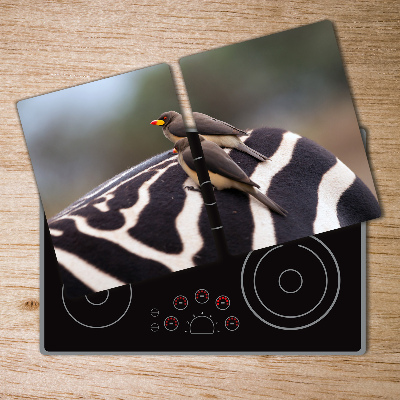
192, 188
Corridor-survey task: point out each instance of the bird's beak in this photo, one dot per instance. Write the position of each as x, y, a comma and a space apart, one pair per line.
175, 151
157, 122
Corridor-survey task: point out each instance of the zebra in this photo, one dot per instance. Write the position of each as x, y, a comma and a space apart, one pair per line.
144, 223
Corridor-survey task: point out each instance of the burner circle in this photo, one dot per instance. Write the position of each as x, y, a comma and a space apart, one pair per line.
99, 310
295, 304
290, 281
288, 297
98, 301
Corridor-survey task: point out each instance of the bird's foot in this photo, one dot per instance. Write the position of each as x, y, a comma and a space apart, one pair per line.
192, 188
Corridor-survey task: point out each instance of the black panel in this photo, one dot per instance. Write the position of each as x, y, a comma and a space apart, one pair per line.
154, 316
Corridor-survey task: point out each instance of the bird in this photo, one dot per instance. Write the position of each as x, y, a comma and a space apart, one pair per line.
219, 132
223, 171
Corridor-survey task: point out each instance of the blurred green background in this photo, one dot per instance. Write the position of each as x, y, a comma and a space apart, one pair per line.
292, 80
79, 137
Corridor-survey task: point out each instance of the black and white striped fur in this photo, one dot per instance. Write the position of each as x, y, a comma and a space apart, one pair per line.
143, 223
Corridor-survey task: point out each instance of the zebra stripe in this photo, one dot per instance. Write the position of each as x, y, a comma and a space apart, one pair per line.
264, 231
90, 275
55, 232
186, 224
333, 184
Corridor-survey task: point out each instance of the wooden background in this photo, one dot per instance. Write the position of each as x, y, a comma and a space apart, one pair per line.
48, 45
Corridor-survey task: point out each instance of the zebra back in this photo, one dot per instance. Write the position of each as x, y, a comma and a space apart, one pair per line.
143, 223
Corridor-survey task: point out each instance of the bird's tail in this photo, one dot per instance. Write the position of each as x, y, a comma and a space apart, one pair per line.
267, 201
246, 149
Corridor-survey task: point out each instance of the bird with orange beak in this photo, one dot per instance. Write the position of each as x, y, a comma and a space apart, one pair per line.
214, 130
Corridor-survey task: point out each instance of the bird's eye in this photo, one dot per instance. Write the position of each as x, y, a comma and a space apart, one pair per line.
165, 117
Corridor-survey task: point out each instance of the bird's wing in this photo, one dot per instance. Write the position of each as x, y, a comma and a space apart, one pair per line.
177, 127
219, 162
207, 125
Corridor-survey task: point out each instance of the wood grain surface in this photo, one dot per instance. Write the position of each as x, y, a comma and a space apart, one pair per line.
48, 45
